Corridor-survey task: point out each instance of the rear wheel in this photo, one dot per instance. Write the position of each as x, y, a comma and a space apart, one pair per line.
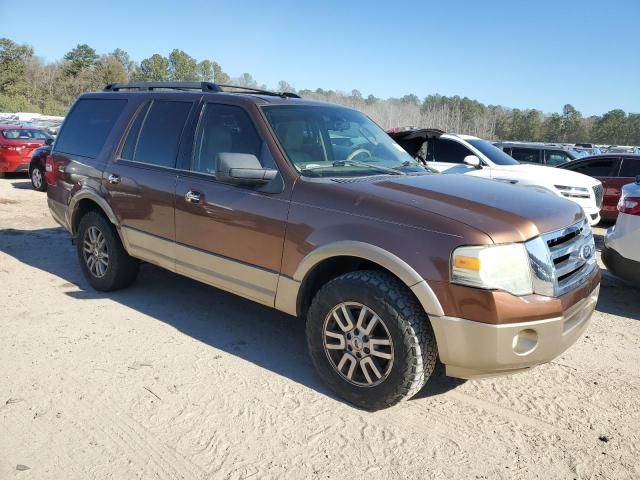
37, 179
105, 263
370, 339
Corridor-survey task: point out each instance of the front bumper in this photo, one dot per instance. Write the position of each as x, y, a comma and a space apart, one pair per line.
474, 350
593, 214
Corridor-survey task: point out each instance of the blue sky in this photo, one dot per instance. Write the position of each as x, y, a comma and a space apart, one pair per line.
520, 54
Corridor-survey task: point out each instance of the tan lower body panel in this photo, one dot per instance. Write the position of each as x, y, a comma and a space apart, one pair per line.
245, 280
250, 282
473, 349
149, 248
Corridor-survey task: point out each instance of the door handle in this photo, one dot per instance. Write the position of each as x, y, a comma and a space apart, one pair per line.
113, 179
192, 197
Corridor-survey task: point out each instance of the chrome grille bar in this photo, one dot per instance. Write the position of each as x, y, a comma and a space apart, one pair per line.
562, 259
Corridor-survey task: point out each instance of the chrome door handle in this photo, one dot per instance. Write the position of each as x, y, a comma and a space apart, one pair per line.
113, 179
192, 197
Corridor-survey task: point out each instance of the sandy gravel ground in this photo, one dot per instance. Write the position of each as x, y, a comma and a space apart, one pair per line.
171, 379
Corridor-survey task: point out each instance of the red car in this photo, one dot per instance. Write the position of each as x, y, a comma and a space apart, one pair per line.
17, 143
614, 170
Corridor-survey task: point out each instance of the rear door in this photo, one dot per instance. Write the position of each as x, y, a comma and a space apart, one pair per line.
553, 158
229, 236
140, 181
527, 155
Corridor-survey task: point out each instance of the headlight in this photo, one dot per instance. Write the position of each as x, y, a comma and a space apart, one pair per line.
573, 192
493, 267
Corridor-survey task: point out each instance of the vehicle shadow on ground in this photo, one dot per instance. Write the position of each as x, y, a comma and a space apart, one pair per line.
256, 333
22, 185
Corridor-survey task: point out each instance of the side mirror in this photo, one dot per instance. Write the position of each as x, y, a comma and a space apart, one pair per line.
243, 168
473, 161
49, 141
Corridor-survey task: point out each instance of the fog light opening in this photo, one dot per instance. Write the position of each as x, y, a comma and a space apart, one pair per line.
525, 342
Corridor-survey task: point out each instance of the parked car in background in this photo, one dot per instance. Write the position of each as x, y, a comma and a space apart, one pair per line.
310, 208
17, 143
623, 149
469, 155
537, 153
621, 252
614, 171
37, 167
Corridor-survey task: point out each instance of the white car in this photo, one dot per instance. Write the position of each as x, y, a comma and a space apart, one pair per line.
448, 153
621, 252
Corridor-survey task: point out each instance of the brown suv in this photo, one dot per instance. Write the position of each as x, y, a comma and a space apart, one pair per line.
312, 209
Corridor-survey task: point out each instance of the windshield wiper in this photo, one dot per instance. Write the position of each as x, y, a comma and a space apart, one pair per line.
355, 163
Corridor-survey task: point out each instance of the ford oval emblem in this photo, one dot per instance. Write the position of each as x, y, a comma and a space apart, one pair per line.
587, 251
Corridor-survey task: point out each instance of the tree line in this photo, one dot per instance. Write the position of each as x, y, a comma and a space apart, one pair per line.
29, 84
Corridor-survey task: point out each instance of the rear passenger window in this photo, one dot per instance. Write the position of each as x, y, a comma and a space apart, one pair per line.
597, 168
154, 137
226, 129
557, 157
630, 167
526, 155
88, 125
450, 152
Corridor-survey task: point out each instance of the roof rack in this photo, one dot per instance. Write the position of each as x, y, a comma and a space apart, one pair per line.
259, 91
201, 86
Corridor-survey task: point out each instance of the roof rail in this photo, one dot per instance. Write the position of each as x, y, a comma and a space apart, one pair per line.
259, 91
202, 86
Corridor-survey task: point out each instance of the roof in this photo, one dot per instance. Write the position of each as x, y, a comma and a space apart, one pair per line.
248, 97
614, 155
17, 126
249, 94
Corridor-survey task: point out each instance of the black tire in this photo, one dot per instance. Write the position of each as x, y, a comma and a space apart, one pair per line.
413, 342
121, 270
38, 183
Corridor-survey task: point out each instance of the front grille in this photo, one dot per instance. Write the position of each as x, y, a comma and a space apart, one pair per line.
573, 254
598, 191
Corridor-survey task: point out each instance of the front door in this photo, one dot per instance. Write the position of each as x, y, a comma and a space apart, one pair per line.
448, 157
141, 180
229, 236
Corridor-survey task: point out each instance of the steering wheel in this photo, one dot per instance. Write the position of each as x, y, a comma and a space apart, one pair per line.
357, 152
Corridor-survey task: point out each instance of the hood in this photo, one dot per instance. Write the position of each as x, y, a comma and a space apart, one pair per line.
506, 213
551, 175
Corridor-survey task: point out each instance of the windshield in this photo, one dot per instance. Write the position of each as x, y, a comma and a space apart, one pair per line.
334, 141
494, 154
24, 134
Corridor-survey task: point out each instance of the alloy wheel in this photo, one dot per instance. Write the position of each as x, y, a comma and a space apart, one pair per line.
96, 255
36, 177
358, 344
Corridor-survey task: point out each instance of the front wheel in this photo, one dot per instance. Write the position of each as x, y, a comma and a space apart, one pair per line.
37, 179
370, 339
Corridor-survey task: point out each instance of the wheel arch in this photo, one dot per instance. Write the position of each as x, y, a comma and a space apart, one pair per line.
86, 200
330, 261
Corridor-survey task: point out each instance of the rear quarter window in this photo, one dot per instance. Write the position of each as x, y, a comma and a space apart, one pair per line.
88, 125
630, 167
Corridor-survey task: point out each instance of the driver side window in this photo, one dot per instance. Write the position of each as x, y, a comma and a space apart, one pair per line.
449, 151
226, 129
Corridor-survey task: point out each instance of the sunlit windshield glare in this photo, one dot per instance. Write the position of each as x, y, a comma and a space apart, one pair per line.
496, 155
334, 141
